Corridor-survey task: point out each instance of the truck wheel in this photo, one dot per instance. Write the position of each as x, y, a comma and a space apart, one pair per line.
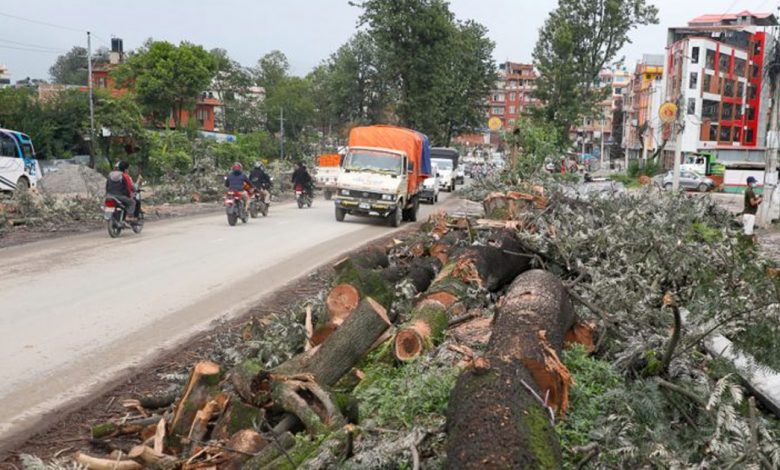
340, 213
327, 195
395, 217
413, 211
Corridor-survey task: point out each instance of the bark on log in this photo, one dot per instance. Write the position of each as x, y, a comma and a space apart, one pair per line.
159, 400
246, 442
368, 282
426, 327
493, 420
95, 463
110, 429
237, 416
200, 387
371, 258
275, 448
152, 459
200, 424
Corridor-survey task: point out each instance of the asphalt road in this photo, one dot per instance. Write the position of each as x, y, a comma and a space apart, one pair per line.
76, 312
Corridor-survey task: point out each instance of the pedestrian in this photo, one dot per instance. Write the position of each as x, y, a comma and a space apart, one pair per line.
752, 201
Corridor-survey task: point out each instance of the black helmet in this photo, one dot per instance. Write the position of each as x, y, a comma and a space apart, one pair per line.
122, 165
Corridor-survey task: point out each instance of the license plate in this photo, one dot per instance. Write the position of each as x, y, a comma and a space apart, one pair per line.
364, 205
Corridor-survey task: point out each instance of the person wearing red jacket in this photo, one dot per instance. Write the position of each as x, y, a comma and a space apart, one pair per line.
120, 186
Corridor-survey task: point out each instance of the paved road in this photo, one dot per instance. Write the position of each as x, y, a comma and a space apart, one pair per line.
77, 311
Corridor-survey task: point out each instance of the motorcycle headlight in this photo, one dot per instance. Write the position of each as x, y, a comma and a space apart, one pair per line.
345, 192
388, 197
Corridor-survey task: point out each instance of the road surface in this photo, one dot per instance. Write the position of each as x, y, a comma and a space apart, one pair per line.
75, 312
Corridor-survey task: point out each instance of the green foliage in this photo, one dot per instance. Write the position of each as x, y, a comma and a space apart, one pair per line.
536, 141
71, 67
577, 41
650, 168
293, 95
441, 68
423, 387
243, 111
167, 78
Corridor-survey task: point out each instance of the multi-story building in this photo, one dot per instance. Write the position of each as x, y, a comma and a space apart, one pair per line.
643, 98
513, 94
714, 71
593, 133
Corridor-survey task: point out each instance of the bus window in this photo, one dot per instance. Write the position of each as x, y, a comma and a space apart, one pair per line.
7, 147
27, 150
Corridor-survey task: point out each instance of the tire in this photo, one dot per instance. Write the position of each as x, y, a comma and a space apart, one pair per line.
300, 203
435, 199
264, 209
232, 219
454, 186
139, 225
253, 209
396, 218
308, 202
703, 188
328, 195
414, 211
22, 186
340, 213
668, 186
114, 228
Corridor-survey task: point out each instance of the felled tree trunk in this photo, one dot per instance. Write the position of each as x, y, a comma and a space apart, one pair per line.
512, 205
95, 463
342, 300
426, 327
368, 282
237, 416
243, 445
110, 429
201, 385
200, 424
276, 447
150, 458
495, 419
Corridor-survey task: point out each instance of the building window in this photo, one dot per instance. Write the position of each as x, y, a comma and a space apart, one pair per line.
693, 80
739, 66
723, 63
202, 115
713, 133
710, 60
725, 134
727, 113
751, 114
740, 89
512, 96
736, 134
691, 105
709, 110
751, 93
101, 82
498, 97
749, 136
511, 110
695, 55
707, 82
753, 70
737, 112
728, 88
498, 110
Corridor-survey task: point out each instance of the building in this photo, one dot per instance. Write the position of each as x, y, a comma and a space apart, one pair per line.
643, 98
593, 133
714, 71
5, 76
513, 95
207, 108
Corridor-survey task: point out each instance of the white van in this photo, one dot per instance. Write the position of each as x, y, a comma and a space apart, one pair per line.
18, 166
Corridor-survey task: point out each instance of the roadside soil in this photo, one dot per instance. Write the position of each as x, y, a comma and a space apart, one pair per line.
67, 430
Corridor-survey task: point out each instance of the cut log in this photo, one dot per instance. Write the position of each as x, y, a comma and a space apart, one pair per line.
237, 416
426, 327
495, 418
95, 463
243, 445
200, 387
371, 258
200, 424
152, 459
582, 333
276, 447
331, 452
344, 348
512, 205
111, 429
368, 282
318, 412
342, 300
159, 400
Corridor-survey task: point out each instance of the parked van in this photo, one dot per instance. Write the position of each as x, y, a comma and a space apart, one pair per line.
18, 167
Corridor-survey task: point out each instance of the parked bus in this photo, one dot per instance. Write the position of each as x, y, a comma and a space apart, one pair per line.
18, 167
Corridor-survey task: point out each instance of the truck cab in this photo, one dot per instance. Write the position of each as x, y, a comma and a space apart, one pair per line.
374, 181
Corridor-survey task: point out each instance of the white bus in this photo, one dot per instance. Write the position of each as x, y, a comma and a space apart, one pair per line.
18, 166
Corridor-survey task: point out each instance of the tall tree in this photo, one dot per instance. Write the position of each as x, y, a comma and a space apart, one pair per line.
272, 69
71, 67
232, 82
293, 95
167, 79
578, 39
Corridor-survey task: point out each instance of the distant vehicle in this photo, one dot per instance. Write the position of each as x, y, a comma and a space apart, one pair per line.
446, 174
115, 212
430, 188
327, 173
19, 169
382, 174
447, 153
689, 180
460, 174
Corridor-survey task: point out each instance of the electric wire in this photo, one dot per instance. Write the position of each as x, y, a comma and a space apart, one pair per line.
44, 23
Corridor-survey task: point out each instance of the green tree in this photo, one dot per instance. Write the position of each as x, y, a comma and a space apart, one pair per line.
167, 79
293, 95
71, 67
119, 125
232, 82
272, 69
577, 41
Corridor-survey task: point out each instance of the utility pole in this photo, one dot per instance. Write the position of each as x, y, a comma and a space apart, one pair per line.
582, 157
91, 103
601, 162
678, 129
766, 209
281, 129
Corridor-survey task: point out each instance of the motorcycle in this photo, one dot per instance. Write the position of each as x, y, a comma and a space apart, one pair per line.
114, 213
258, 205
234, 208
302, 196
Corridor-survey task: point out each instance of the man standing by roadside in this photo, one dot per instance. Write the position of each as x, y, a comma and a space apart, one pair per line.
752, 202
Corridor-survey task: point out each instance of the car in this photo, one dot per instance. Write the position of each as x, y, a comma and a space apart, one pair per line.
446, 173
430, 187
689, 180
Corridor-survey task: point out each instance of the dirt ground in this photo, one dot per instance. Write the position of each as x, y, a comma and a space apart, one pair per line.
68, 430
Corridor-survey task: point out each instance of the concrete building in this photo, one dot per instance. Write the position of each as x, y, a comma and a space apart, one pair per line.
591, 132
714, 71
5, 76
513, 94
644, 96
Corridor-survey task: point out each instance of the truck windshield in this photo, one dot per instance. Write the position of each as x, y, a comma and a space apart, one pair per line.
373, 161
443, 164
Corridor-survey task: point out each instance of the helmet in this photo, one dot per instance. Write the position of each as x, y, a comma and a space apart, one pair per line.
258, 164
237, 166
122, 165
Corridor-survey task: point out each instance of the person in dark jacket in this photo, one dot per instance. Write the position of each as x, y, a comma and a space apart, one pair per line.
301, 176
120, 186
236, 180
261, 180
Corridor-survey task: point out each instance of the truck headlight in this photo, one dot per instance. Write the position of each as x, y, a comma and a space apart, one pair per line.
388, 197
345, 192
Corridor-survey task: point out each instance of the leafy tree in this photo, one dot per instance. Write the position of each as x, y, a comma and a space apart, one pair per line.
167, 79
71, 67
119, 125
232, 82
577, 41
272, 69
292, 94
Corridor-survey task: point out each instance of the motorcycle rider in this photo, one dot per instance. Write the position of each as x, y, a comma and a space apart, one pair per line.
120, 186
236, 180
301, 176
261, 180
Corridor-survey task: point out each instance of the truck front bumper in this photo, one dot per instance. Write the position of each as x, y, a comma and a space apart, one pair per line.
366, 206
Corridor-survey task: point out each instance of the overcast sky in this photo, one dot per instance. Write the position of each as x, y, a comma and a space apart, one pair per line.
307, 31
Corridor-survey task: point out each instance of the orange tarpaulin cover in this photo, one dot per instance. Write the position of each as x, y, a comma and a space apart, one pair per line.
330, 159
395, 138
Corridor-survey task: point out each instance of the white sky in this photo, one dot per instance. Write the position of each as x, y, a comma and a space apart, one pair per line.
307, 31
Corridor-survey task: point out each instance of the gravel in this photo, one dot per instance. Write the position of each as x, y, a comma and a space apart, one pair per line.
73, 179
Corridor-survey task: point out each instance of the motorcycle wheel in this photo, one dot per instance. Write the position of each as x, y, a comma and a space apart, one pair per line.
264, 209
300, 203
232, 219
114, 226
138, 225
308, 202
253, 209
